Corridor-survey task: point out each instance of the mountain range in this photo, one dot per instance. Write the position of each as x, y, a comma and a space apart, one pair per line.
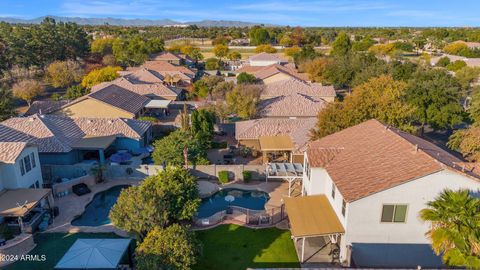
130, 22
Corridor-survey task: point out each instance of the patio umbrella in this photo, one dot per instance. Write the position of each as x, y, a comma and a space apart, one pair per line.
120, 157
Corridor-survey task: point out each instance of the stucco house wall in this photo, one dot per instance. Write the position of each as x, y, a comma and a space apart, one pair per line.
10, 174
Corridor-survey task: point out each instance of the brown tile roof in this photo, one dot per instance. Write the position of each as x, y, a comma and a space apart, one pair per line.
371, 157
266, 57
45, 106
293, 86
161, 66
9, 151
249, 69
121, 98
166, 56
297, 129
55, 134
143, 75
144, 89
271, 70
296, 105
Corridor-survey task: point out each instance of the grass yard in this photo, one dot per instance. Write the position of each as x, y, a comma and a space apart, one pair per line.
54, 246
234, 247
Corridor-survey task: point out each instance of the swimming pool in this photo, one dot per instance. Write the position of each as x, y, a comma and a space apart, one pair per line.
96, 212
223, 199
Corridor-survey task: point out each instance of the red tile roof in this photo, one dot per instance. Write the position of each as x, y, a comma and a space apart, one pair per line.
371, 157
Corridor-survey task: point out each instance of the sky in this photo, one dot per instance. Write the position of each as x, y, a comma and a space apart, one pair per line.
293, 12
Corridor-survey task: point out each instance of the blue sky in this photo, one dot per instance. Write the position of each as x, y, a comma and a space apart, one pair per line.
294, 12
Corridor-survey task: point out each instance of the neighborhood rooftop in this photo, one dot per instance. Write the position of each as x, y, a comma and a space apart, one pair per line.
121, 98
53, 133
45, 106
293, 86
378, 157
297, 129
10, 151
296, 105
144, 89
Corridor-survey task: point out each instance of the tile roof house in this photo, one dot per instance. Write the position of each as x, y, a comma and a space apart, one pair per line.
294, 86
148, 89
273, 73
59, 138
172, 58
295, 105
109, 101
182, 75
377, 179
45, 106
248, 133
266, 59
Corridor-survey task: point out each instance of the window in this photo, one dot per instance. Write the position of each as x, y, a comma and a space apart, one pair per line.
344, 207
22, 168
32, 157
37, 184
394, 213
333, 190
28, 165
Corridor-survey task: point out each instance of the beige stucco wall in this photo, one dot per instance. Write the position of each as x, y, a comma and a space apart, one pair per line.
93, 108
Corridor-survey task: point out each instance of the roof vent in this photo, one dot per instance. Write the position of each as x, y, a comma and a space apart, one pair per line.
89, 121
416, 147
110, 121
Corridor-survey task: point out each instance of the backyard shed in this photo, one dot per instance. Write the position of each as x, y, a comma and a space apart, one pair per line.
94, 254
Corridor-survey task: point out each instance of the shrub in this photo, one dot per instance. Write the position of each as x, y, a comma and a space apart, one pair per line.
5, 232
223, 177
443, 62
454, 66
212, 64
247, 176
148, 118
219, 145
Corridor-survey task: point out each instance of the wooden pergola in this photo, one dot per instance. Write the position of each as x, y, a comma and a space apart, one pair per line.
312, 216
290, 172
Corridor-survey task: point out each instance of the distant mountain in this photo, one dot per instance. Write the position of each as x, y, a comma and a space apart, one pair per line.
130, 22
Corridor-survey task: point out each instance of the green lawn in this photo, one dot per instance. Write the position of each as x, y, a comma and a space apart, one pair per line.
234, 247
54, 246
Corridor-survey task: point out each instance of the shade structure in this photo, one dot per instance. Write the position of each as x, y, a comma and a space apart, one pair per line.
312, 216
18, 202
94, 254
276, 143
120, 157
158, 104
94, 142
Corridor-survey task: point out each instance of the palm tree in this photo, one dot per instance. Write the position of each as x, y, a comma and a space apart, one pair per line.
455, 228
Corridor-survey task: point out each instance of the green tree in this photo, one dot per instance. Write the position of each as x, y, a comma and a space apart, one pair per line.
171, 248
234, 56
170, 149
63, 73
456, 65
102, 46
436, 96
467, 142
381, 98
75, 91
316, 68
169, 197
27, 90
454, 221
97, 76
474, 109
6, 104
341, 45
243, 100
212, 64
467, 75
258, 35
246, 78
135, 50
265, 48
220, 51
202, 122
443, 62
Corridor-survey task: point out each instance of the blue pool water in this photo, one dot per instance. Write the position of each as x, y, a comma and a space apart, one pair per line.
96, 212
254, 200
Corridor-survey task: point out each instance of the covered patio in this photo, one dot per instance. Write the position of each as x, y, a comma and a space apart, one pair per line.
290, 172
276, 148
315, 225
95, 143
22, 208
158, 107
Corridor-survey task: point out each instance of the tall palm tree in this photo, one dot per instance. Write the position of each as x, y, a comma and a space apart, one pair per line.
455, 227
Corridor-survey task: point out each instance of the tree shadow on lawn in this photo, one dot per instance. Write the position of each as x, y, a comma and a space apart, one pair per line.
235, 247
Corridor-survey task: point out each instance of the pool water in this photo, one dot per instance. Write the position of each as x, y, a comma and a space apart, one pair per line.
96, 212
254, 200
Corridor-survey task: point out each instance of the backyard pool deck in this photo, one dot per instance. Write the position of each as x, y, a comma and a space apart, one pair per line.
72, 206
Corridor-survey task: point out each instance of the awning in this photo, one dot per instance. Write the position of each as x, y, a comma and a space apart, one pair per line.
276, 143
94, 254
18, 202
94, 142
312, 216
158, 104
